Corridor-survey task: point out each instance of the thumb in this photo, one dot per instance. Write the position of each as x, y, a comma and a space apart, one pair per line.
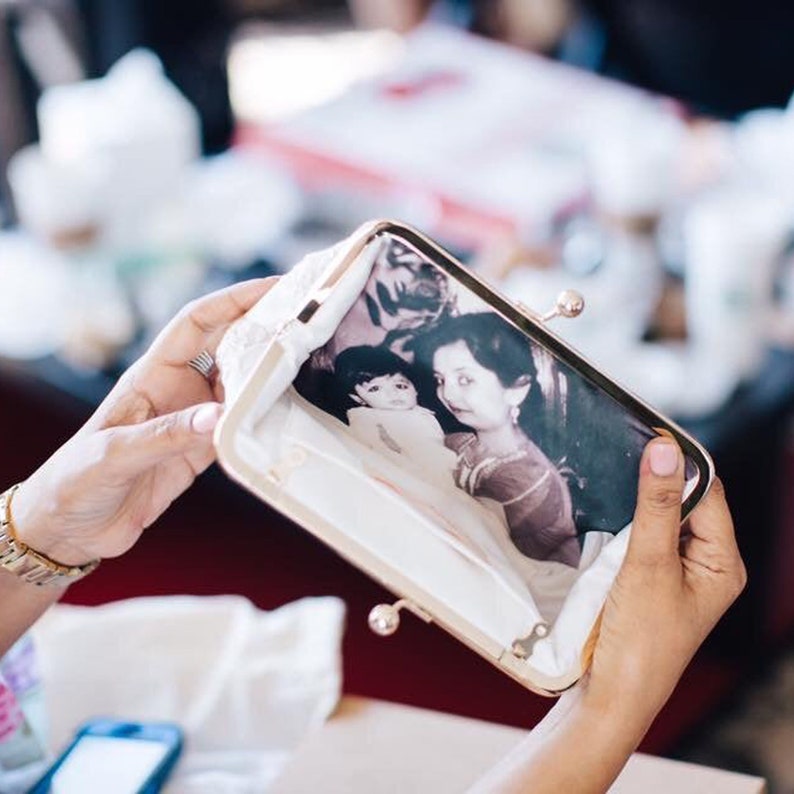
657, 519
149, 443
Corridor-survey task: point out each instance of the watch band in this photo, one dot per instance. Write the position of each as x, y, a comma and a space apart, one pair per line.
26, 563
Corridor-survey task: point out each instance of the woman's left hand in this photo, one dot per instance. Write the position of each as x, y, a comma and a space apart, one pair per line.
146, 443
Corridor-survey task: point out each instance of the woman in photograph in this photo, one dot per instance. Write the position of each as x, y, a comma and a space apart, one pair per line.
484, 373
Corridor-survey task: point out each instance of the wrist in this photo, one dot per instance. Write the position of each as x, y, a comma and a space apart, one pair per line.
604, 738
621, 716
578, 746
36, 525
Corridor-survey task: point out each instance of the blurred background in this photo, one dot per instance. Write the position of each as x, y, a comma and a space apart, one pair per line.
639, 151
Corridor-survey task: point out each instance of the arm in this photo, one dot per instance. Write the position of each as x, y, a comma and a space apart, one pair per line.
146, 443
21, 605
664, 602
573, 749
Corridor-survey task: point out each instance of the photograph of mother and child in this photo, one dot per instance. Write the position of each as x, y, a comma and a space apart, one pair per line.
425, 373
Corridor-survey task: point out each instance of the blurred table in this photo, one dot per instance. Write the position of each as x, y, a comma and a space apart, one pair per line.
421, 134
370, 745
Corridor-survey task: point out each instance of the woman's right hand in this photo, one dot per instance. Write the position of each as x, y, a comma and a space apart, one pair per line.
666, 598
668, 595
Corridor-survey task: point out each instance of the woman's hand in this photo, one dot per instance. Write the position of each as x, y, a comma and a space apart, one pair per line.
143, 447
667, 596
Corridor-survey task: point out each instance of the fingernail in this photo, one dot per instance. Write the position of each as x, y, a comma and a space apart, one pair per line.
663, 458
205, 419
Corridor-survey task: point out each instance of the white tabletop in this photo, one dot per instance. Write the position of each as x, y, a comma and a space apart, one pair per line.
370, 746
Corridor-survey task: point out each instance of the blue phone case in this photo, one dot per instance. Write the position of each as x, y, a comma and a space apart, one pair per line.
167, 733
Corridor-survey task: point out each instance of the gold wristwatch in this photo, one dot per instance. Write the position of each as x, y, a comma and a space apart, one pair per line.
26, 563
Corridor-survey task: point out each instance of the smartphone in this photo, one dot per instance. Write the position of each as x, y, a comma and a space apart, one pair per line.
118, 756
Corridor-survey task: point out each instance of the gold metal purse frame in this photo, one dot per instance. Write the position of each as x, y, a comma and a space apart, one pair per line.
384, 618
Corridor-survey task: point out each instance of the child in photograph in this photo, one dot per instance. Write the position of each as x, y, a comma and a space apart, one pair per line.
387, 416
404, 292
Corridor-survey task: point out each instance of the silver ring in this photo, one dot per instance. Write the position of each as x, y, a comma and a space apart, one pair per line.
204, 364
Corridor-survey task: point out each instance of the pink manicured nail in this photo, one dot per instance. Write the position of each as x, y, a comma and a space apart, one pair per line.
205, 419
663, 457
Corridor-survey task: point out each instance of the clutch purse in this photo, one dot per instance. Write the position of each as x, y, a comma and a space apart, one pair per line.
446, 442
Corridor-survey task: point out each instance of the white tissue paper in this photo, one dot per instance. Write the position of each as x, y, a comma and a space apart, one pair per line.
244, 684
246, 341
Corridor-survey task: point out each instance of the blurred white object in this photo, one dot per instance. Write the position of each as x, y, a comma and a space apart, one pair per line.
237, 204
634, 156
100, 321
497, 134
764, 146
56, 200
620, 296
35, 299
159, 293
708, 152
673, 377
733, 238
317, 66
245, 685
135, 125
45, 45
